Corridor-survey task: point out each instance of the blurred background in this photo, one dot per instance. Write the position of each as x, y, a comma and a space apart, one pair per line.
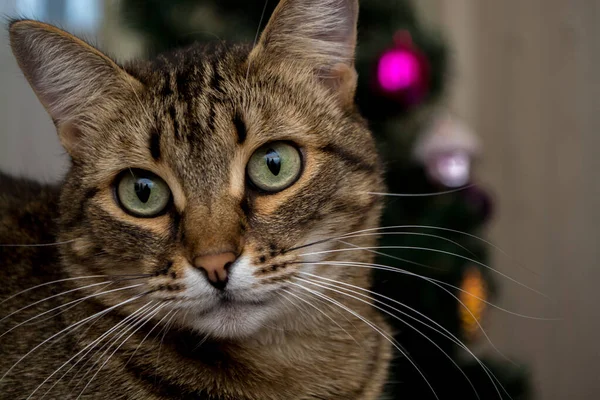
498, 99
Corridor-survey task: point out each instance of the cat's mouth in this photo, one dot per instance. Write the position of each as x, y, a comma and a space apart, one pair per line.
226, 301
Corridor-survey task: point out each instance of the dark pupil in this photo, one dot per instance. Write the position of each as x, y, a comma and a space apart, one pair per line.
143, 188
273, 161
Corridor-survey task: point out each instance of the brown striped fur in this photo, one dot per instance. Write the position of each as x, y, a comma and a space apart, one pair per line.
194, 117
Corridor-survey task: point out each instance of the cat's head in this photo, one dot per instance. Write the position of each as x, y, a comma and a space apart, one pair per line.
198, 177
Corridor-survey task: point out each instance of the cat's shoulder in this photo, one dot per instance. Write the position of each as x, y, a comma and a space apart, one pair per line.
28, 256
28, 211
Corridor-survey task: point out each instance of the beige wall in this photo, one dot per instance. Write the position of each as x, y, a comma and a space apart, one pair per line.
28, 142
528, 80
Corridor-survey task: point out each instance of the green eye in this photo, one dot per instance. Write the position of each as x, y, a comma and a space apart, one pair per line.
142, 193
275, 166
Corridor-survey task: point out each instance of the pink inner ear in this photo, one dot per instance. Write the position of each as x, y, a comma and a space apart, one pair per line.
398, 70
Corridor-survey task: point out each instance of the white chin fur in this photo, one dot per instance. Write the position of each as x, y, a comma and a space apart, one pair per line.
235, 319
230, 321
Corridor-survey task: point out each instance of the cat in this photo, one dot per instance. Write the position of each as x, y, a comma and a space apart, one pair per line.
186, 254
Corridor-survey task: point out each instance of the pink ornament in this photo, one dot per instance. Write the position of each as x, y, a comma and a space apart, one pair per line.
402, 72
398, 70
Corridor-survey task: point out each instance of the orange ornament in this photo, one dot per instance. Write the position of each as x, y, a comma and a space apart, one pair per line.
473, 296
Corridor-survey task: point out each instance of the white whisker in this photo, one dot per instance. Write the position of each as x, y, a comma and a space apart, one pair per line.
445, 332
92, 345
338, 312
431, 280
384, 228
421, 194
51, 297
418, 312
392, 341
386, 255
201, 342
409, 234
71, 306
64, 305
136, 326
148, 334
148, 315
37, 244
165, 329
322, 312
262, 16
468, 310
90, 326
133, 316
495, 247
73, 326
50, 283
434, 251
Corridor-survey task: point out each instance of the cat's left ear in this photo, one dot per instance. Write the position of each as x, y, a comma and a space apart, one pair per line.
319, 33
75, 82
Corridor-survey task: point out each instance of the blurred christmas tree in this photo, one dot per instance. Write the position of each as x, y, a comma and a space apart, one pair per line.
402, 71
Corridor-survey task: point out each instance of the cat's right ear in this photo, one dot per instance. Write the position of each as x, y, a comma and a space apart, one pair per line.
320, 34
75, 82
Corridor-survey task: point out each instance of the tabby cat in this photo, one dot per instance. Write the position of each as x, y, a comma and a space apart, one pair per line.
186, 254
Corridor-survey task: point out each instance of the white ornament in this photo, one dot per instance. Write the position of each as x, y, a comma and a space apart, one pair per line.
447, 150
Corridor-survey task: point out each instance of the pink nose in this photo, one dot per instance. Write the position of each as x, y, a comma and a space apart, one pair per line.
216, 267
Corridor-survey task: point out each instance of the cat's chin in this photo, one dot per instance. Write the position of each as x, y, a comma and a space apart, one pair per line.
231, 320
